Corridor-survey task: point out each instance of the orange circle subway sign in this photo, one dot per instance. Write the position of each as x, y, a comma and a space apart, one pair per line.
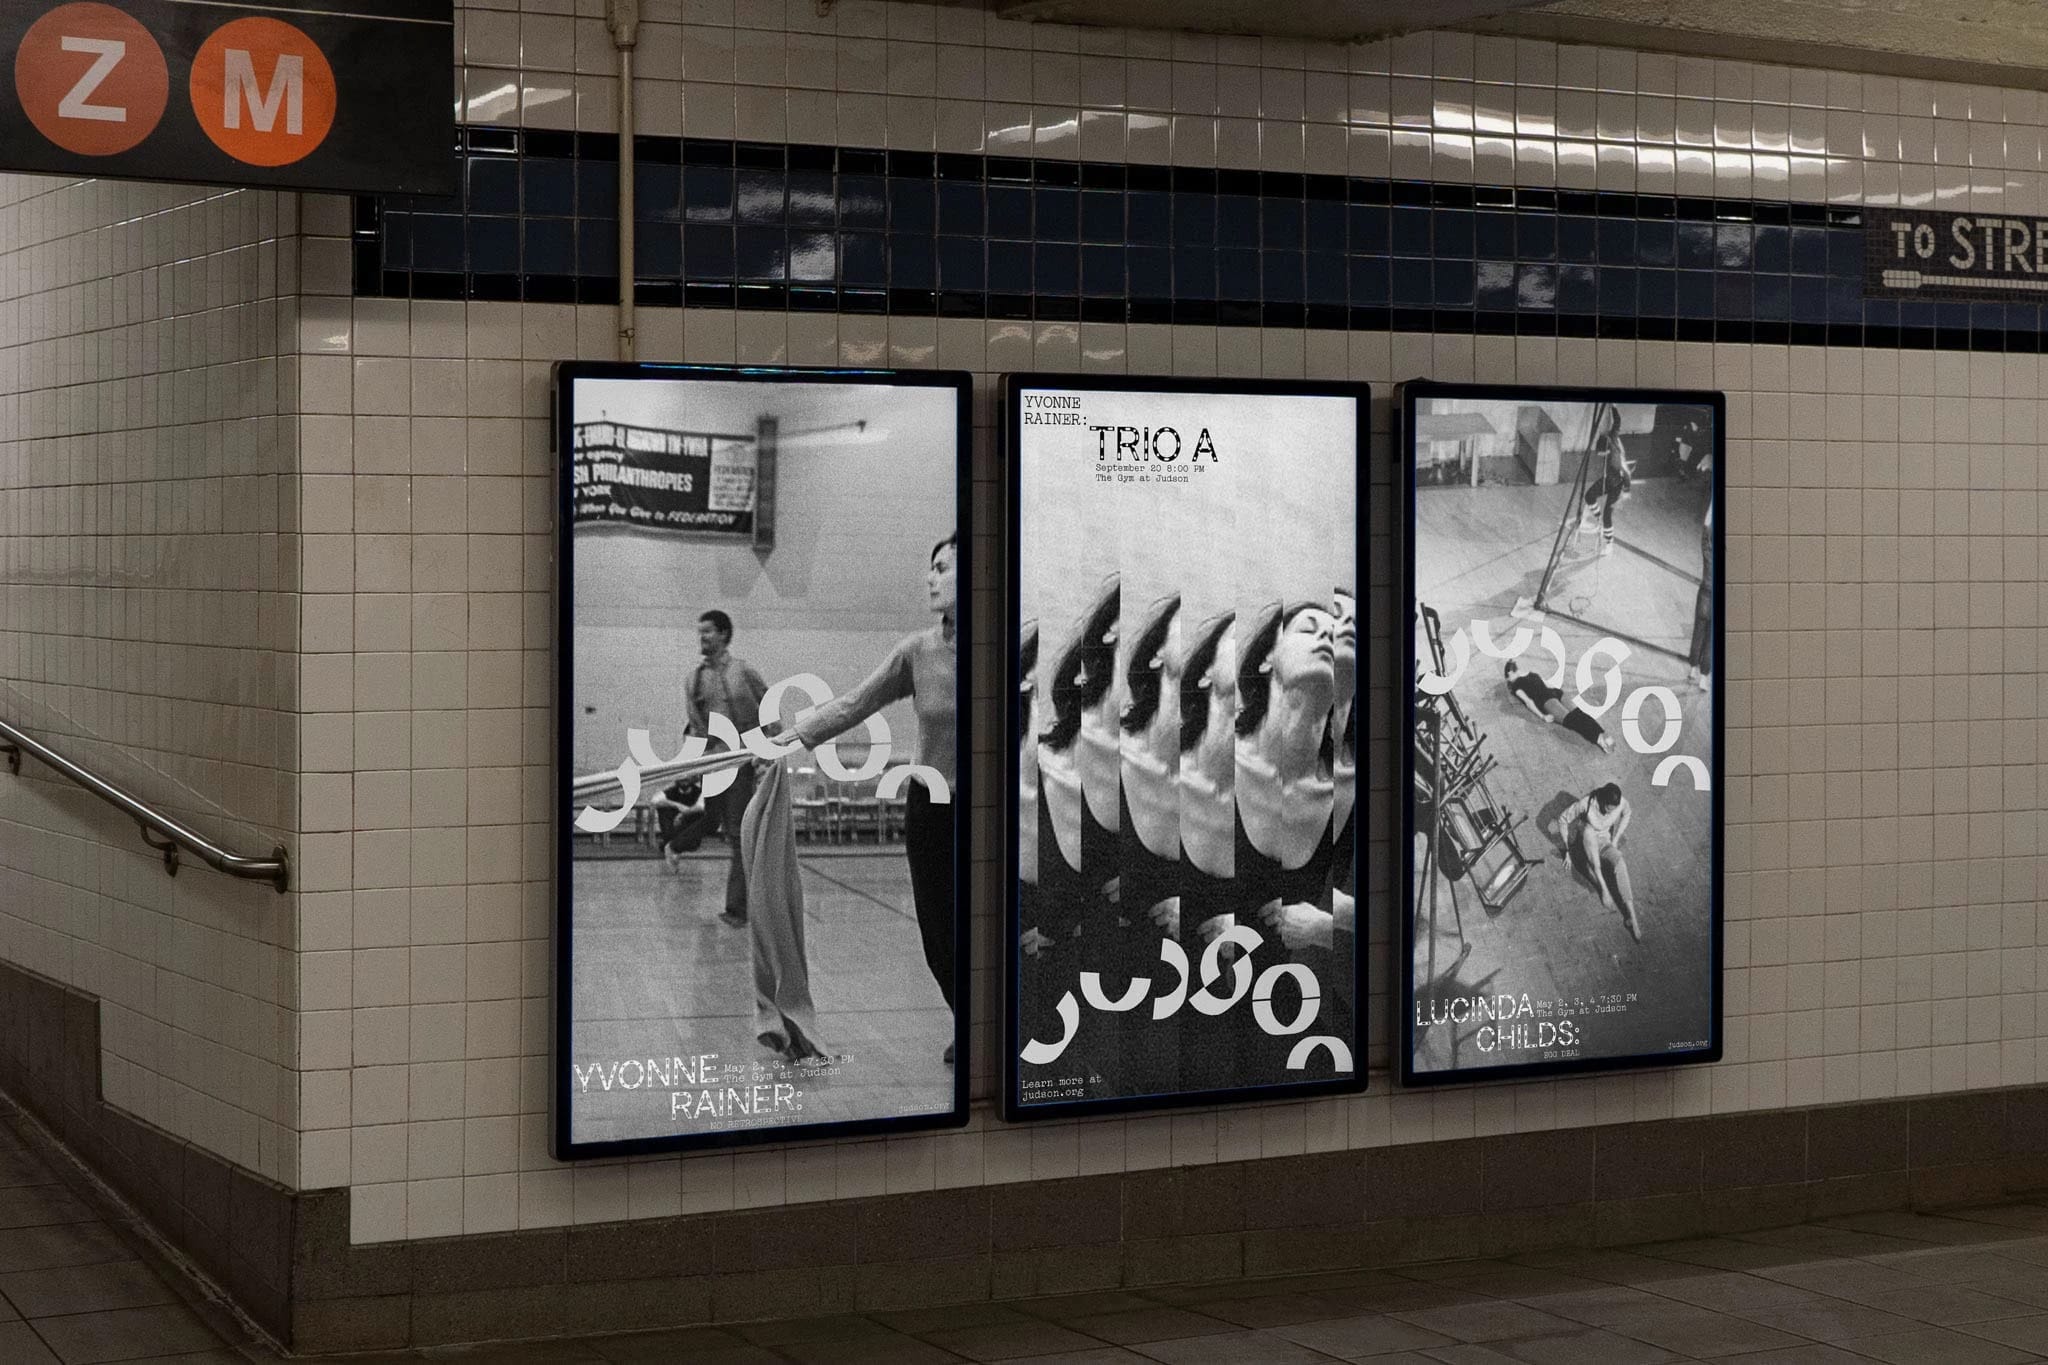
91, 79
354, 96
263, 91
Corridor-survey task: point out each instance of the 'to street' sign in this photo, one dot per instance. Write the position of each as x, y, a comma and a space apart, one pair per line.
307, 94
1931, 254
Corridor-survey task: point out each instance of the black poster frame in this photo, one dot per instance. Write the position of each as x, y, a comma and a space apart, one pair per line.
562, 958
1013, 386
1406, 397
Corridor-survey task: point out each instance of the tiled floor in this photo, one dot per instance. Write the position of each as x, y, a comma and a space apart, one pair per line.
1968, 1287
73, 1288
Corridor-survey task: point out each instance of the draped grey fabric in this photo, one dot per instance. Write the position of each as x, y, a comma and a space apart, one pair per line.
784, 1017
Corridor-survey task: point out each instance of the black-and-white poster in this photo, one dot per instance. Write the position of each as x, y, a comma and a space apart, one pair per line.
761, 922
1183, 741
1562, 790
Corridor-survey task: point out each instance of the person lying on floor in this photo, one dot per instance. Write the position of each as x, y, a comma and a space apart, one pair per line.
1548, 704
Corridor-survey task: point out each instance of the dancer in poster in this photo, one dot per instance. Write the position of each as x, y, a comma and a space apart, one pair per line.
1699, 661
1521, 637
833, 1003
921, 669
1206, 504
724, 684
1151, 872
1077, 851
1041, 957
1344, 734
1207, 788
1548, 704
1592, 827
1027, 787
1286, 685
1207, 791
1614, 481
1312, 923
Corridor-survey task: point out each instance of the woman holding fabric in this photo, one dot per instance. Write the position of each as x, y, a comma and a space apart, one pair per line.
921, 669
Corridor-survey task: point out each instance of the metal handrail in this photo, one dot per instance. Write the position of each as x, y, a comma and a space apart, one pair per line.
159, 831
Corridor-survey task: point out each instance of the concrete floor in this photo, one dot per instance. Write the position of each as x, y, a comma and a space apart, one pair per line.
1479, 551
80, 1284
658, 974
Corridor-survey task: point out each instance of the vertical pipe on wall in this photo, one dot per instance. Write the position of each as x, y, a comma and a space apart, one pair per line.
623, 18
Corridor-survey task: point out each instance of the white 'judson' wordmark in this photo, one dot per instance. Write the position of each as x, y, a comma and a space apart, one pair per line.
720, 770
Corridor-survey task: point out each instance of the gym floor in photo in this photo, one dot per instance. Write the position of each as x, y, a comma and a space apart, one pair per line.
659, 975
1481, 552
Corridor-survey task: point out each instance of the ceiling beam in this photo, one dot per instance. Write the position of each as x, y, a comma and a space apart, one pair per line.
1327, 20
1971, 42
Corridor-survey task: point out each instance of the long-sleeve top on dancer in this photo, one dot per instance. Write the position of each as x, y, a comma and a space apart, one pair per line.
1608, 824
922, 669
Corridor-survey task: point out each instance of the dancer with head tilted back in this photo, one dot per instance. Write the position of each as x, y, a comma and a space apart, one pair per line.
1151, 723
1151, 871
1286, 687
1344, 743
1077, 766
1207, 791
1286, 801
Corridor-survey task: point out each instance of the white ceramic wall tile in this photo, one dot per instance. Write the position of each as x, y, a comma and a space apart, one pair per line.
409, 737
144, 474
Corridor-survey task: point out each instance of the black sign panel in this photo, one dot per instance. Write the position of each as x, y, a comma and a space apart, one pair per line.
354, 95
1928, 254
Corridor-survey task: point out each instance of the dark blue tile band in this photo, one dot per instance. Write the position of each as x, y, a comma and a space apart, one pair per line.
825, 229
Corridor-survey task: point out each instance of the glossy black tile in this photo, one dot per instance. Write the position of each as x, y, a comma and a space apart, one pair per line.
809, 228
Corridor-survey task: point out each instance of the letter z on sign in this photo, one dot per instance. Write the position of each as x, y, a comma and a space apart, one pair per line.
263, 91
91, 79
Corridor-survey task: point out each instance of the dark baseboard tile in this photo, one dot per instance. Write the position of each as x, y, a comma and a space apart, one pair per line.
235, 1225
287, 1259
1496, 1196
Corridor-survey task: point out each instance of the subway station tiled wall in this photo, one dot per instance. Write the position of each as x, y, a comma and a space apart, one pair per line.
1584, 216
149, 629
906, 185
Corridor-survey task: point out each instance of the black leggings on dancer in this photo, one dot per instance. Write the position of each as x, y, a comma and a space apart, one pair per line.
1702, 655
928, 839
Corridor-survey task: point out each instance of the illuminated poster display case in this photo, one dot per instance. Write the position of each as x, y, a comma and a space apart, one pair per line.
1182, 796
761, 856
1561, 784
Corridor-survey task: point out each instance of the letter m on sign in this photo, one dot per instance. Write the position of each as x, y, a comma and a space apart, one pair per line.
287, 88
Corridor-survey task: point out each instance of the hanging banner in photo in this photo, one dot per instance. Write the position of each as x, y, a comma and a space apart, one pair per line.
1183, 798
1561, 788
762, 827
662, 479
